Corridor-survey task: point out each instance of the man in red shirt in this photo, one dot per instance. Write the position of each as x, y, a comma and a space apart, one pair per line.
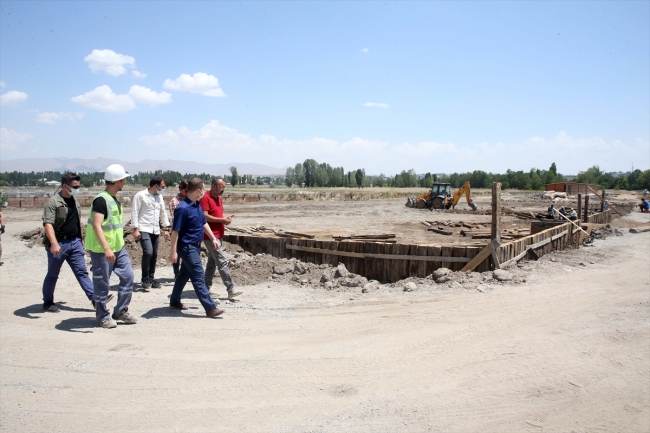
213, 210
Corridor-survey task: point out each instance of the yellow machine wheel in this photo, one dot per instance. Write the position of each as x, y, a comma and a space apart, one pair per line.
420, 204
438, 203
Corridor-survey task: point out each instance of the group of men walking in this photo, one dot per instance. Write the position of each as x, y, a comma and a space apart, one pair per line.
197, 217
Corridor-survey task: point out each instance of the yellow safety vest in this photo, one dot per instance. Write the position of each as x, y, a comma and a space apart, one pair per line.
112, 227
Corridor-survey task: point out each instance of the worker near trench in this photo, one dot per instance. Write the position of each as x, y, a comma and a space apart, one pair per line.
62, 240
149, 220
173, 203
213, 210
188, 230
105, 241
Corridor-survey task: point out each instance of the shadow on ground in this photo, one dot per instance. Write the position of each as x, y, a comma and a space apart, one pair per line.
36, 311
77, 324
158, 312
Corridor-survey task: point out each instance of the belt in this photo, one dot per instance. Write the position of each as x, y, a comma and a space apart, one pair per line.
66, 238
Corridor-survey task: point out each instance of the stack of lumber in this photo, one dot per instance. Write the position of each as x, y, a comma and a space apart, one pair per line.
380, 237
296, 235
521, 215
249, 230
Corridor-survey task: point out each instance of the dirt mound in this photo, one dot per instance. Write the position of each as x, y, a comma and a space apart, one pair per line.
33, 237
602, 233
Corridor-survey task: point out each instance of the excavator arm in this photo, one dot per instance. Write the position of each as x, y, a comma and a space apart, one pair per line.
464, 190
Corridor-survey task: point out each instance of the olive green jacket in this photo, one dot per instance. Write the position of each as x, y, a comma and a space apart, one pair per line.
55, 213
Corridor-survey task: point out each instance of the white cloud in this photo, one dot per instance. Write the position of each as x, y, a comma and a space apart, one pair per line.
201, 83
111, 62
53, 117
13, 97
2, 84
143, 95
160, 124
364, 50
10, 139
376, 156
102, 98
138, 74
376, 104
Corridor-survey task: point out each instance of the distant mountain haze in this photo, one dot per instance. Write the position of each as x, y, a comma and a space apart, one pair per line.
99, 165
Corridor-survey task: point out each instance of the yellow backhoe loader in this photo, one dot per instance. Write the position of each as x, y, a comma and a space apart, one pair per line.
440, 197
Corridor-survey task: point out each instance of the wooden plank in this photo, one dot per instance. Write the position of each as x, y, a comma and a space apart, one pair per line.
447, 251
422, 266
303, 235
639, 229
432, 251
378, 256
413, 264
439, 231
494, 248
496, 211
559, 235
478, 259
458, 251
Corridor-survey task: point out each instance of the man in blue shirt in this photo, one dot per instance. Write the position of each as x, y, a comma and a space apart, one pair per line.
187, 234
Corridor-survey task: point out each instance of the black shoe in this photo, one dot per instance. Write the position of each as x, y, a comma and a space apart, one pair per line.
51, 307
155, 284
146, 284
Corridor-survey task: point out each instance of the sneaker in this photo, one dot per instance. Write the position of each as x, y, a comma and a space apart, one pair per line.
146, 284
51, 307
125, 317
232, 294
155, 284
108, 323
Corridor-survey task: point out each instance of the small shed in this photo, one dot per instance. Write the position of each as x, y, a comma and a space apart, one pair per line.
572, 188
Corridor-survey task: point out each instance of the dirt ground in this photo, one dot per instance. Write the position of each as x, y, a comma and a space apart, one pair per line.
563, 346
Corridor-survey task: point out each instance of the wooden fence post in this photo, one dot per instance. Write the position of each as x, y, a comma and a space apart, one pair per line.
602, 202
586, 217
579, 206
496, 212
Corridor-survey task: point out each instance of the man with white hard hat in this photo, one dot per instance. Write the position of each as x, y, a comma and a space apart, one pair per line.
105, 241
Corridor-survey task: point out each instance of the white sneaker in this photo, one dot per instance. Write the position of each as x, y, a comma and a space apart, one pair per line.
125, 317
108, 323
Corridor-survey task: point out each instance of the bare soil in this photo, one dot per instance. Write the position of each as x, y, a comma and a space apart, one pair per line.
562, 346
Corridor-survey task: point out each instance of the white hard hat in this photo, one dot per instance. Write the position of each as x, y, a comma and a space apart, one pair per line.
115, 172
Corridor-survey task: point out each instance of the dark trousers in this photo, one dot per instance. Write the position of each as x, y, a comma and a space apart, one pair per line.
72, 251
177, 267
149, 243
191, 269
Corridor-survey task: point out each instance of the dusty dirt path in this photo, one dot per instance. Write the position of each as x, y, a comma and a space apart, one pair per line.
567, 351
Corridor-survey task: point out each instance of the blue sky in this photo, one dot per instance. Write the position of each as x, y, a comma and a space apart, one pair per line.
387, 86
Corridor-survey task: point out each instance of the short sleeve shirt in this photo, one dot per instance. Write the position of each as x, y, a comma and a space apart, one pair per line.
188, 222
214, 206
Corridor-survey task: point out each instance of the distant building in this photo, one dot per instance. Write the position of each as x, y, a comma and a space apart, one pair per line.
52, 183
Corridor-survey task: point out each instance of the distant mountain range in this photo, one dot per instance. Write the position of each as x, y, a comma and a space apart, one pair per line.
100, 164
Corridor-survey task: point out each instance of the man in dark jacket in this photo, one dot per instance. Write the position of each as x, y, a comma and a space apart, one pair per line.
62, 240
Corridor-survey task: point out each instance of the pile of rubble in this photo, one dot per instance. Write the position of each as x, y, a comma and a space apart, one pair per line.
248, 269
602, 233
33, 237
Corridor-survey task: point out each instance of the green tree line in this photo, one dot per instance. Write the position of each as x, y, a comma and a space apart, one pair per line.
312, 174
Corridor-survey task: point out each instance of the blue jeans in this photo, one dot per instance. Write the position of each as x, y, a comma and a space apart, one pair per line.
101, 281
191, 269
72, 251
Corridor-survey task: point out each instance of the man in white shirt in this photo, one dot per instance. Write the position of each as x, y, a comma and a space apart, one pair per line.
147, 217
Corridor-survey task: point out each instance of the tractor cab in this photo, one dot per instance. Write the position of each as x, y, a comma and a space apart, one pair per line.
439, 189
440, 192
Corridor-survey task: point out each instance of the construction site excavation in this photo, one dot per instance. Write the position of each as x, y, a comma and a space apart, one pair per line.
360, 312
